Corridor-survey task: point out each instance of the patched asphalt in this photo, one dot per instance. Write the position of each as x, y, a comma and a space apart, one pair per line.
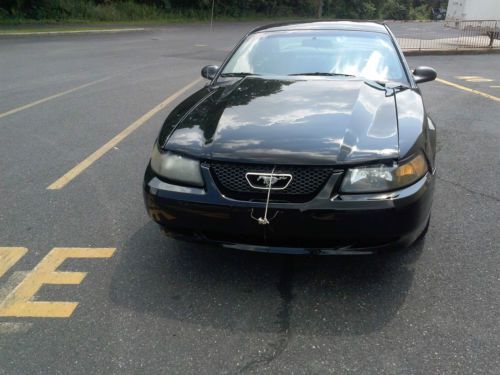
161, 306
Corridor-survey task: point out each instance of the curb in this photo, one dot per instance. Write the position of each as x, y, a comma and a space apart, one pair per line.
63, 32
444, 52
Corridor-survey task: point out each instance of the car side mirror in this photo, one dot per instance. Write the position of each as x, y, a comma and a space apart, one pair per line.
209, 71
424, 74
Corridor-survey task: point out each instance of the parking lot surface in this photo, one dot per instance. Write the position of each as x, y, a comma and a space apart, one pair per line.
88, 284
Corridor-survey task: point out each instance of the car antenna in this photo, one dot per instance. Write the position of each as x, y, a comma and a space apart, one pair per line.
264, 220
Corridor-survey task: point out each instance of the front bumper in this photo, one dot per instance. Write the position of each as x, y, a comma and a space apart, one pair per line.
339, 224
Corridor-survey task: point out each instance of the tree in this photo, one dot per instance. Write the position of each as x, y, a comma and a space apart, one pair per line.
395, 10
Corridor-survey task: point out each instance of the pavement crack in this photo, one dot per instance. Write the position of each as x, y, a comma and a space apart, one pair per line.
285, 290
278, 346
467, 189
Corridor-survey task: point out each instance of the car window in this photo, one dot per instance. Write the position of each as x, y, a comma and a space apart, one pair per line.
368, 55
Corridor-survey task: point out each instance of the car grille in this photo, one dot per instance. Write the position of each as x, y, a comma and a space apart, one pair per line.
306, 181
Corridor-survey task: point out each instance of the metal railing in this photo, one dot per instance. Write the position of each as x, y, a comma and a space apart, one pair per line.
448, 35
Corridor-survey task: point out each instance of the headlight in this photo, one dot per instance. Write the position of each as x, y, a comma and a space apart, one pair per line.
176, 167
384, 178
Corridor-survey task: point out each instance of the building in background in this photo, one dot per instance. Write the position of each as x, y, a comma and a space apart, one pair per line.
471, 10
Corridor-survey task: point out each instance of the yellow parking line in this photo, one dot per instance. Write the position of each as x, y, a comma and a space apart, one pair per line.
57, 32
21, 301
40, 101
491, 97
96, 155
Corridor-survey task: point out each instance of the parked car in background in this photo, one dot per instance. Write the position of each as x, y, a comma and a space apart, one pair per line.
438, 13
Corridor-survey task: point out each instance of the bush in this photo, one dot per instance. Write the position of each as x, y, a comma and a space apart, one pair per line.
369, 10
138, 10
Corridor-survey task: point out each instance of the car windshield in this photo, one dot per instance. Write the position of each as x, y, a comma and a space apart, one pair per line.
367, 55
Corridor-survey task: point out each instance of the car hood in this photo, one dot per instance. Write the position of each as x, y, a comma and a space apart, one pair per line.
290, 121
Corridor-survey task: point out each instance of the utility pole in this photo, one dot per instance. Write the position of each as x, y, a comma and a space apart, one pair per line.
320, 8
212, 16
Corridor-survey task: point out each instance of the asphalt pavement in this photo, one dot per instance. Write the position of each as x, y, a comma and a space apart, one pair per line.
151, 305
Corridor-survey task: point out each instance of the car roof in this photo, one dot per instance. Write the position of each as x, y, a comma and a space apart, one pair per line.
324, 25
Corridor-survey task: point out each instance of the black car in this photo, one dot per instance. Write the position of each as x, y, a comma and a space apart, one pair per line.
310, 138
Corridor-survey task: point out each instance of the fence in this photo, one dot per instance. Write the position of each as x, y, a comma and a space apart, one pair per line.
448, 35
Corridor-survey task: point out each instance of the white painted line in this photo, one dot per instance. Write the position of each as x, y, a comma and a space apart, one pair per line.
479, 80
10, 256
13, 327
474, 78
11, 284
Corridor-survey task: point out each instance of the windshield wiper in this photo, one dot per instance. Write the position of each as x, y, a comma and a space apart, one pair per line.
390, 88
322, 74
238, 74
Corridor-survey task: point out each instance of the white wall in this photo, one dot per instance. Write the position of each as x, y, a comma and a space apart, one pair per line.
473, 10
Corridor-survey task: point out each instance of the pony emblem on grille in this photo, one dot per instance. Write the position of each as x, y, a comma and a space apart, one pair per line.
265, 181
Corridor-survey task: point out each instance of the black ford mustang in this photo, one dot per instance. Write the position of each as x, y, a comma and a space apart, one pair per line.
310, 138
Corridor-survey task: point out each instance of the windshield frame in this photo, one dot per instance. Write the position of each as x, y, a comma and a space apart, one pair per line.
406, 80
